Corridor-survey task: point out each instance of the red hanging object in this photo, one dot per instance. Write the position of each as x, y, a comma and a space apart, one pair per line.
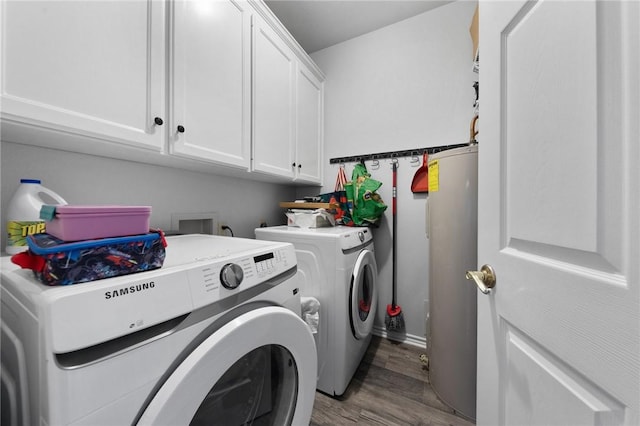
420, 181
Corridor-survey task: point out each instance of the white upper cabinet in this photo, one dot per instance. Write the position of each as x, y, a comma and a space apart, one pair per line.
274, 66
287, 107
210, 81
90, 68
164, 82
309, 125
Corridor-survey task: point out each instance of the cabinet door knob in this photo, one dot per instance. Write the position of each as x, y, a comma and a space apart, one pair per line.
293, 164
299, 166
180, 129
158, 121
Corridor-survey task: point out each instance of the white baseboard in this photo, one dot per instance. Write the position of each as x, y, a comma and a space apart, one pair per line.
409, 339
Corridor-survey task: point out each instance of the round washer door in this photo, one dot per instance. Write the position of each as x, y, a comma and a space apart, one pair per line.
261, 365
364, 294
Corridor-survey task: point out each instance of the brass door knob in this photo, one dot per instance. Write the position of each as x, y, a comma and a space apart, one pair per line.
485, 278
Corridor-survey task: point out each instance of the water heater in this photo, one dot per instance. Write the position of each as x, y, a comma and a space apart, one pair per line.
452, 211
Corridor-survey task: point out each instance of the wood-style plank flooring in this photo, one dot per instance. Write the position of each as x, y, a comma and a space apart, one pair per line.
391, 387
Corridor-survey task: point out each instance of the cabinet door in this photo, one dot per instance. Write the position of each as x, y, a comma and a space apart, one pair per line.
309, 119
91, 68
273, 102
210, 98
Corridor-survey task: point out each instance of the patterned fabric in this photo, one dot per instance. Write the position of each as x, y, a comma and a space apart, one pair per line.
340, 198
341, 212
341, 180
55, 262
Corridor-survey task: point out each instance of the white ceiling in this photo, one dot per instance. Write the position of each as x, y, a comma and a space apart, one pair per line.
317, 24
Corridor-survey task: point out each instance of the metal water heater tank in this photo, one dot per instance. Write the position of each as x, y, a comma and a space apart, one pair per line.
452, 230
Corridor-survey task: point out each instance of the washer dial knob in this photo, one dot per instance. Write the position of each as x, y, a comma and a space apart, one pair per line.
231, 275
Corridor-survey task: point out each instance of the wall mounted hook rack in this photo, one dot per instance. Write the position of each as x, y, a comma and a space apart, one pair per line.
394, 154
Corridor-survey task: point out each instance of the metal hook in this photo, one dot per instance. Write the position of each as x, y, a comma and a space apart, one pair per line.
375, 164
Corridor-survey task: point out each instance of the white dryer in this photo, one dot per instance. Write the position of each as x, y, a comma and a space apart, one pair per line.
337, 266
213, 337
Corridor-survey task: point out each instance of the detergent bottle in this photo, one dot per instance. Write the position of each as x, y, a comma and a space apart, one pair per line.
23, 214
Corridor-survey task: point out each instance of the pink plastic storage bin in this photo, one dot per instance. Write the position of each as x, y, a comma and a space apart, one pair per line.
76, 223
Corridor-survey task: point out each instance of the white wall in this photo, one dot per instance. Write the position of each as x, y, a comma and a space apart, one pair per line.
408, 85
84, 179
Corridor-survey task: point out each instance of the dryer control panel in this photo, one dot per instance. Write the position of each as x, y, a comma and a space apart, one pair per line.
223, 278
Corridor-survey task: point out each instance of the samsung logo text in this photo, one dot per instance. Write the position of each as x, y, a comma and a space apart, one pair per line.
129, 290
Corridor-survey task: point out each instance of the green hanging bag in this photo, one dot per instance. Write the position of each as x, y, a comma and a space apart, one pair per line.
367, 203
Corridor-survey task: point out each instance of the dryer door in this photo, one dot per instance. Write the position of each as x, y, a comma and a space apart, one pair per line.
364, 295
260, 366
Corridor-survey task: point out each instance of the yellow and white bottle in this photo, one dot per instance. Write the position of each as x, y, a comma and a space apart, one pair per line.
23, 214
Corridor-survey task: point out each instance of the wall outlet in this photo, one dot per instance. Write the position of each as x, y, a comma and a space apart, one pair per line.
221, 230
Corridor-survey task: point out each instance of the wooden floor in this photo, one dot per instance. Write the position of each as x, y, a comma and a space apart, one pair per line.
391, 387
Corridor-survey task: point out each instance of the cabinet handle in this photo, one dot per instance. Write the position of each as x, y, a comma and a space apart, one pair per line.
180, 129
158, 121
293, 164
299, 166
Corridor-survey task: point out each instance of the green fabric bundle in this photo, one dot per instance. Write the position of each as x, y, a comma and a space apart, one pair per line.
367, 203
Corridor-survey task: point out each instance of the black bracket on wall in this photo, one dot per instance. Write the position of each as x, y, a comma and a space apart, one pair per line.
394, 154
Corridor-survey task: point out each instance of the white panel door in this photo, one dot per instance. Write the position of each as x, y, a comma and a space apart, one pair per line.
309, 121
559, 213
273, 102
94, 68
210, 77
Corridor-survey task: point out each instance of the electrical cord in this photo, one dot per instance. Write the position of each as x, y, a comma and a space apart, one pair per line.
225, 228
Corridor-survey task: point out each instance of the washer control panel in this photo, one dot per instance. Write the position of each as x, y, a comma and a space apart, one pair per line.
216, 280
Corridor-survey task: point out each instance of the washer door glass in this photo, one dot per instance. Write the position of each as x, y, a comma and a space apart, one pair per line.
259, 368
260, 388
364, 295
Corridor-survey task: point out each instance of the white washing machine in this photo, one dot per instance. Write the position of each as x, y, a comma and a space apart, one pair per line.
213, 337
337, 266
